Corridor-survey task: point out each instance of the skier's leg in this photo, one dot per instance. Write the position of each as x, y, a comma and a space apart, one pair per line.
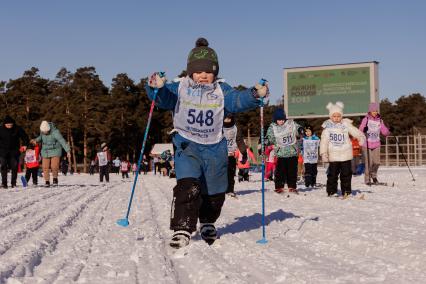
375, 162
28, 174
292, 172
185, 205
210, 209
332, 178
3, 163
279, 174
55, 168
13, 163
308, 174
46, 167
346, 177
231, 174
314, 174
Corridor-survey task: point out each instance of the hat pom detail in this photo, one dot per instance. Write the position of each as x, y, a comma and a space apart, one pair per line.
201, 42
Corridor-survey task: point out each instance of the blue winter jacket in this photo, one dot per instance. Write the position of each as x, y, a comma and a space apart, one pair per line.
212, 157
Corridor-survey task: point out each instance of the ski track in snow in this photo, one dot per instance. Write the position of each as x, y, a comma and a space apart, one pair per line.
69, 234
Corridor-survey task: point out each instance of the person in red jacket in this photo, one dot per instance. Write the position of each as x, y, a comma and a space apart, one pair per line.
271, 162
32, 162
244, 165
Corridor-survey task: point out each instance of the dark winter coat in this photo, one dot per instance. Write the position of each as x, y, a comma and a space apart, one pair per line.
10, 138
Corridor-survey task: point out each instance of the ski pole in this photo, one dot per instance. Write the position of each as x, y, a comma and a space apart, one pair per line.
263, 240
402, 153
125, 222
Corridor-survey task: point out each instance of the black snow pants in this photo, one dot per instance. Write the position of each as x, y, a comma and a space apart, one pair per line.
189, 205
344, 169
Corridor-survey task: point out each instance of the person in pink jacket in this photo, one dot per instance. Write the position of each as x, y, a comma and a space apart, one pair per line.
372, 125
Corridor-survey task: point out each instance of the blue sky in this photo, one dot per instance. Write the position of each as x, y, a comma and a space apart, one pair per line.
253, 39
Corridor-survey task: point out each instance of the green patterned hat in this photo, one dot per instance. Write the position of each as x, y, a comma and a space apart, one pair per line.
202, 58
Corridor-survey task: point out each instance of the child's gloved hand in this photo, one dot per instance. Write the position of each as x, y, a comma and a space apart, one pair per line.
324, 158
157, 80
261, 89
365, 129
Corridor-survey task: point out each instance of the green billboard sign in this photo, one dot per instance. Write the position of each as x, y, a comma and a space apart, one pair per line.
307, 90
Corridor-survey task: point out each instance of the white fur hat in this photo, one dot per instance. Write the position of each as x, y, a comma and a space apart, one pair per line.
44, 126
333, 108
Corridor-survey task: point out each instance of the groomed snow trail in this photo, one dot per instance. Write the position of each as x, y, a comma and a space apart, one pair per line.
69, 234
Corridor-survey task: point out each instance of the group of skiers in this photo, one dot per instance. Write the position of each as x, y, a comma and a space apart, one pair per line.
50, 141
208, 147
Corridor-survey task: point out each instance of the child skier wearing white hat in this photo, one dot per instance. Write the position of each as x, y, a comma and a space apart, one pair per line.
336, 148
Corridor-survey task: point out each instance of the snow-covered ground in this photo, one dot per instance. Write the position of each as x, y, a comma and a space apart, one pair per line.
69, 234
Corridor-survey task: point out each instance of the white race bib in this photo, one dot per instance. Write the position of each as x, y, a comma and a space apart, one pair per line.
30, 156
199, 112
373, 132
102, 158
310, 151
231, 138
285, 134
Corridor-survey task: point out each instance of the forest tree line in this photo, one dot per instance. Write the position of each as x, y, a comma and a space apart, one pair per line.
88, 113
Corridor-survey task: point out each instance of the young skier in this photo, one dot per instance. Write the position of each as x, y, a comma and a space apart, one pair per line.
116, 165
64, 166
200, 102
283, 134
124, 167
372, 125
336, 148
32, 162
310, 147
243, 164
356, 152
103, 158
271, 162
235, 141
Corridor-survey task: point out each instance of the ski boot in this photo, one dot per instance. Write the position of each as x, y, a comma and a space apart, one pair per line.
47, 184
55, 181
180, 239
279, 190
208, 232
293, 190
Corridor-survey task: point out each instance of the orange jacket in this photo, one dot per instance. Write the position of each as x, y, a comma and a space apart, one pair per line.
32, 157
239, 157
356, 149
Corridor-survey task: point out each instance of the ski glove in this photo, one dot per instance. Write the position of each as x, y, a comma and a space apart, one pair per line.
157, 80
324, 158
261, 89
365, 129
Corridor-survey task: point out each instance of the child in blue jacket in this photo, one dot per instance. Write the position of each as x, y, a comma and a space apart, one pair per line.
310, 147
200, 101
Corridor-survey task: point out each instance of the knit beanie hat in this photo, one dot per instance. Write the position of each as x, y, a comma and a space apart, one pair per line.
335, 108
8, 120
230, 123
202, 58
373, 107
279, 114
44, 126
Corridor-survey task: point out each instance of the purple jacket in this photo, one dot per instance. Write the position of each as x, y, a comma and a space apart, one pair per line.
375, 128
